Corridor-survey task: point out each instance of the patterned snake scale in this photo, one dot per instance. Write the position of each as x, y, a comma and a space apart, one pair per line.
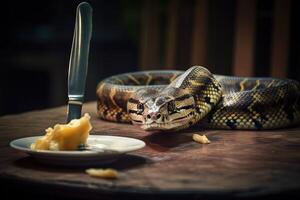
173, 100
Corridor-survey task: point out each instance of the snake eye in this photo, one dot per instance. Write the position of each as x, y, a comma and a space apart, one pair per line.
171, 107
140, 108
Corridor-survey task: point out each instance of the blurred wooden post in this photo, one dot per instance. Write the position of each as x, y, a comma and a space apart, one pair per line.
199, 37
149, 49
171, 34
280, 40
244, 38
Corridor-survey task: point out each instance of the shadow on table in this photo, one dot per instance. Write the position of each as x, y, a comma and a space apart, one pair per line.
166, 141
125, 162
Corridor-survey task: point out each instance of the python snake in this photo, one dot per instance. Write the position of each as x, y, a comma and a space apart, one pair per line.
173, 100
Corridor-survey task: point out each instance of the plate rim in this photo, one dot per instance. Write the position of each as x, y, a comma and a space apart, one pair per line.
73, 153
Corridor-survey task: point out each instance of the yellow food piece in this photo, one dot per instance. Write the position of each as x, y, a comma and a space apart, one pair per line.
102, 173
65, 136
201, 139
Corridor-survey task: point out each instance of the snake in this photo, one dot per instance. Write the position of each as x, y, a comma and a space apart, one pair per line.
171, 100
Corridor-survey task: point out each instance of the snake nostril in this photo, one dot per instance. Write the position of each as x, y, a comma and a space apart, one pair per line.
158, 116
148, 116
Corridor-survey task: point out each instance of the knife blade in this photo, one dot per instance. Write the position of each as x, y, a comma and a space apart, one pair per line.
78, 63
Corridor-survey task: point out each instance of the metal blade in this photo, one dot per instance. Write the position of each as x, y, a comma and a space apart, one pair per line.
78, 63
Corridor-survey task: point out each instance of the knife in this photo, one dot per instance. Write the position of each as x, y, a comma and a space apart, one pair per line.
78, 63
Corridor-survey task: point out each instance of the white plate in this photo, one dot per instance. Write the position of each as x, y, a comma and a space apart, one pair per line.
109, 148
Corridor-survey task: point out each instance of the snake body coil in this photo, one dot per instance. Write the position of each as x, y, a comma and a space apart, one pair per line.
174, 100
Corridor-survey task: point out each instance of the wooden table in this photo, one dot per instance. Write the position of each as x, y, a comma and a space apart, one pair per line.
237, 164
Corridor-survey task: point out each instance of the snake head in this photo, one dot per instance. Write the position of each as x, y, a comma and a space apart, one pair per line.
162, 110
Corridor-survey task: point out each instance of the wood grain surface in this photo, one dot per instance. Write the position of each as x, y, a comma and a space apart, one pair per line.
236, 164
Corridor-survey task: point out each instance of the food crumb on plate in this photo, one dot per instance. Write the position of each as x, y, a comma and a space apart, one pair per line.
103, 173
201, 139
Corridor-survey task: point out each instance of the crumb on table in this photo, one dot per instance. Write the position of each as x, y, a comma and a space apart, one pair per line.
102, 173
201, 139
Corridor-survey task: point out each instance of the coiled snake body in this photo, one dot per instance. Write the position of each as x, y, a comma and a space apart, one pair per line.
174, 100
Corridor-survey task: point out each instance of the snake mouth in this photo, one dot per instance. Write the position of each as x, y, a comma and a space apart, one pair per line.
170, 125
